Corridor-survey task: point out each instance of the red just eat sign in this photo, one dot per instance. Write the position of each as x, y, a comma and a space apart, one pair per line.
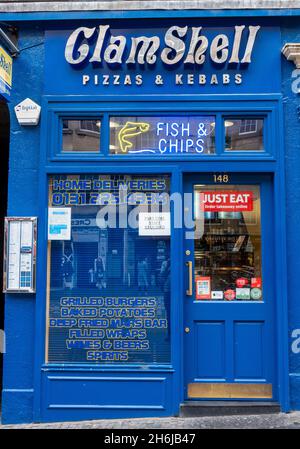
226, 201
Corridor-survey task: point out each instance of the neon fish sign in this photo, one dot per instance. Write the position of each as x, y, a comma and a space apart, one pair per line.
166, 137
131, 129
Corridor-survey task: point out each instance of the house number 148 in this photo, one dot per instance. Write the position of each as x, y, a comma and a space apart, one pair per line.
221, 179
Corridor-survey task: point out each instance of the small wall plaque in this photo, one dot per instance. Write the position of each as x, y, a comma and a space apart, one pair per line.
28, 112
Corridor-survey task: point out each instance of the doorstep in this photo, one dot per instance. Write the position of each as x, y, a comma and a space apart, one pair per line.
222, 408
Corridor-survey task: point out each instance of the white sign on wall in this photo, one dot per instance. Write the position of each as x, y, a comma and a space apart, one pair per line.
28, 112
19, 254
59, 223
154, 224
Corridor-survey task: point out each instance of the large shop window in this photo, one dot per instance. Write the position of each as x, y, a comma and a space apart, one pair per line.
109, 284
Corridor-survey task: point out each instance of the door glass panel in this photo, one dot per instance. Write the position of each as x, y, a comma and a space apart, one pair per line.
227, 243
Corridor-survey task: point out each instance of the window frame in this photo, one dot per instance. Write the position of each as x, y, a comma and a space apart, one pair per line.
78, 131
249, 132
57, 153
103, 111
266, 151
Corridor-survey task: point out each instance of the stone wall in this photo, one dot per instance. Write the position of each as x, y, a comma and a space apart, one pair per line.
69, 5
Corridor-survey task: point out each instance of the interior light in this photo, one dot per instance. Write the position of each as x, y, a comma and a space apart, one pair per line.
113, 124
228, 123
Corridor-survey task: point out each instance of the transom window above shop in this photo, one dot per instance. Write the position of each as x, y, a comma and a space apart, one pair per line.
81, 135
244, 134
168, 135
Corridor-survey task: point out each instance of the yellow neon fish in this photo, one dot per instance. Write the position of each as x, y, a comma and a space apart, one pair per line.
131, 129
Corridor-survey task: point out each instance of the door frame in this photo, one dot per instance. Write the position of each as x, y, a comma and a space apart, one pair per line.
280, 316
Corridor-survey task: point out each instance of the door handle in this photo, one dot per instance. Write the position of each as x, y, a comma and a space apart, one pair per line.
189, 291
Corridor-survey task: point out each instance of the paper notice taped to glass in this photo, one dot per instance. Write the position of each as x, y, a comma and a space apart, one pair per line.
59, 223
154, 223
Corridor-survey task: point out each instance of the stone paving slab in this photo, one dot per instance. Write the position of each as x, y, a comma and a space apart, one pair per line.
263, 421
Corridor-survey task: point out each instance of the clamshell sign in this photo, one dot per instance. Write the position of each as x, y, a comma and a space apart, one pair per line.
189, 56
226, 201
146, 49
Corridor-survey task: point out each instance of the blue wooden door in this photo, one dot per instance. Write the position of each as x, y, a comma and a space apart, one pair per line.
229, 299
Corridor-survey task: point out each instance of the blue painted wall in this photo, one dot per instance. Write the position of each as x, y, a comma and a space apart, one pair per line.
17, 399
291, 33
20, 315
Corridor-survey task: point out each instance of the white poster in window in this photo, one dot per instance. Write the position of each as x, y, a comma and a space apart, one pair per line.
154, 223
59, 223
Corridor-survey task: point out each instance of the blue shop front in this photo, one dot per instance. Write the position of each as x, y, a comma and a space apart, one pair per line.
157, 176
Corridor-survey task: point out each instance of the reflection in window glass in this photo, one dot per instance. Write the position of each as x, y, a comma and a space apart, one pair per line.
81, 135
109, 287
162, 135
228, 243
244, 134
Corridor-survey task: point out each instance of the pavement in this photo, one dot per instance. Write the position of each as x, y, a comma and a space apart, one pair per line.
261, 421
